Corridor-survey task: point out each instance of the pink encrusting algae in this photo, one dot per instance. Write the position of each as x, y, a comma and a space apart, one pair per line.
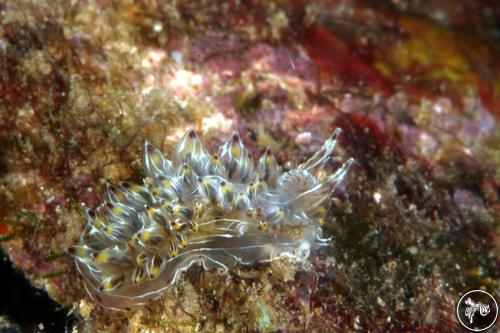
218, 209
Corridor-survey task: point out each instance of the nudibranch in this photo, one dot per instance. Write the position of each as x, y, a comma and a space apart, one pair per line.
219, 209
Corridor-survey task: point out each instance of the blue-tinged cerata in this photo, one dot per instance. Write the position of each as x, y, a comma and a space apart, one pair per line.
219, 209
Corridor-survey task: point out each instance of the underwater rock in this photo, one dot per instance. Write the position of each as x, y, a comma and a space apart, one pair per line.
414, 87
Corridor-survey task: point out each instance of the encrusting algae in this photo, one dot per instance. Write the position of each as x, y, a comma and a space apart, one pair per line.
217, 209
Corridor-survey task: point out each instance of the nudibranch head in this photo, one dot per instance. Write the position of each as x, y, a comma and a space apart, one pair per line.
219, 209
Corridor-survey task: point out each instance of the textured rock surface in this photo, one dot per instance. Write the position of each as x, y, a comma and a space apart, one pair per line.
416, 88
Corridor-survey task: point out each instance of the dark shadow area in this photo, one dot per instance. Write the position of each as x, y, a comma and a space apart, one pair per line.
26, 307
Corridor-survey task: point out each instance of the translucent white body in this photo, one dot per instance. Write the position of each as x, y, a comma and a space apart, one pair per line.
216, 209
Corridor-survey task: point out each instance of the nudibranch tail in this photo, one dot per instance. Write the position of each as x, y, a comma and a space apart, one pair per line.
219, 209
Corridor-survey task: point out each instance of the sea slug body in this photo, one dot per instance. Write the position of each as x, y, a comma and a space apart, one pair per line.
217, 209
